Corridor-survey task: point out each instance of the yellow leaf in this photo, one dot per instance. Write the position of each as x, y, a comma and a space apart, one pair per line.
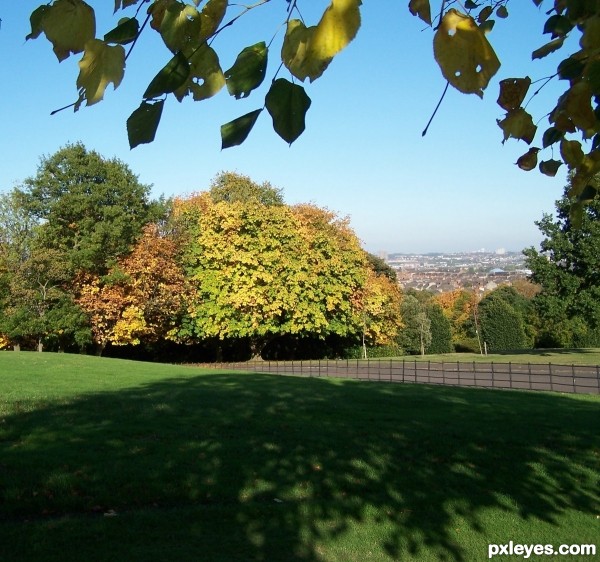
422, 9
206, 76
211, 17
295, 48
518, 124
69, 25
338, 26
571, 152
100, 65
579, 108
307, 52
590, 40
465, 56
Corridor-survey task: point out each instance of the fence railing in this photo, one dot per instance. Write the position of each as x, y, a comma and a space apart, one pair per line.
580, 379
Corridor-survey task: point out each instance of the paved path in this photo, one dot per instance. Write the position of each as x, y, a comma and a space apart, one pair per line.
559, 378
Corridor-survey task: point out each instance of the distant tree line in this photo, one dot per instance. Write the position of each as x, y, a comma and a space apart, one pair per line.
90, 263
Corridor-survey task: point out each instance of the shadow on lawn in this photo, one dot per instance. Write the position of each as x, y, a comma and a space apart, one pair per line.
250, 467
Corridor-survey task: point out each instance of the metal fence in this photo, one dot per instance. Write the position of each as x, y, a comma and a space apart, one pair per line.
578, 379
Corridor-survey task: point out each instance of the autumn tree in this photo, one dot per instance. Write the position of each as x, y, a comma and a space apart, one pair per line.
461, 48
260, 272
459, 307
379, 310
141, 299
231, 187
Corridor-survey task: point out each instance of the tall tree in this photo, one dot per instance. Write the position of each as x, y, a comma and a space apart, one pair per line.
502, 326
567, 267
260, 271
90, 208
415, 336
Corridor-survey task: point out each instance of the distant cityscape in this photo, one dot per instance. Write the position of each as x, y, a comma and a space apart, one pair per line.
444, 272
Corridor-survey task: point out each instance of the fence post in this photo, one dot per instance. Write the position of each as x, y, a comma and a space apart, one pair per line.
573, 377
403, 363
510, 374
391, 368
443, 374
529, 375
493, 376
429, 371
458, 368
474, 375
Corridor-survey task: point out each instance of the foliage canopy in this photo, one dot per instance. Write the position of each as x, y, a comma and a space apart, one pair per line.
189, 31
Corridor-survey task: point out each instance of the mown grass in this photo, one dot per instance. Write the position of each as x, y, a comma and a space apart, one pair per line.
112, 460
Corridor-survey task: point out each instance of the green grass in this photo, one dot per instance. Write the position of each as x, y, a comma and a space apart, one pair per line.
104, 460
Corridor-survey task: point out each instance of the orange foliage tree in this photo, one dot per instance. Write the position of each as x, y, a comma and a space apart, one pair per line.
141, 298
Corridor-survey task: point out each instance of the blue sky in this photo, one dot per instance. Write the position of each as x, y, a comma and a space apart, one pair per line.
362, 155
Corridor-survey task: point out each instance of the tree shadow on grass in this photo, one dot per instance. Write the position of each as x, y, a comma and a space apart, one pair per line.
250, 467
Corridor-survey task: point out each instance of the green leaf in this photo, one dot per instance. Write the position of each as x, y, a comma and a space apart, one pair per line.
552, 136
487, 26
235, 132
170, 78
422, 9
36, 19
211, 17
143, 123
571, 68
124, 33
248, 71
558, 25
101, 64
287, 104
206, 77
548, 48
484, 14
550, 167
69, 25
180, 27
470, 5
502, 12
592, 75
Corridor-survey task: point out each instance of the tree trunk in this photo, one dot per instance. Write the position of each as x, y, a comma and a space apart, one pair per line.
17, 347
40, 346
100, 347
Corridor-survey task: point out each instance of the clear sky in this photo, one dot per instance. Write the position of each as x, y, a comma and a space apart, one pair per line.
362, 155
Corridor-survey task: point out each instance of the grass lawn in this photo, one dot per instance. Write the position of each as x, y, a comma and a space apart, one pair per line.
108, 460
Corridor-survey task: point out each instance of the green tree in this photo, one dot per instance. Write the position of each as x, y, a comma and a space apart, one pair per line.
461, 48
502, 326
441, 333
231, 187
381, 268
415, 335
89, 208
567, 267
